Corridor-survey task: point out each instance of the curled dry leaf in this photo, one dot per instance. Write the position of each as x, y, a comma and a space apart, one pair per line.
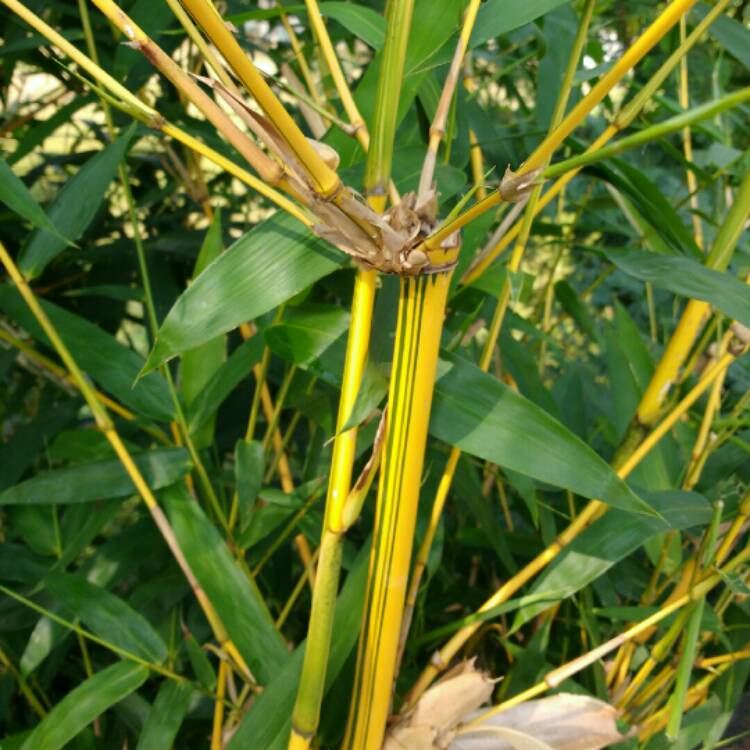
442, 720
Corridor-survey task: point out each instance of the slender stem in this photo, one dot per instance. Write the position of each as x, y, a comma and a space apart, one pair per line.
380, 153
623, 119
205, 13
672, 125
437, 128
447, 479
594, 509
687, 142
420, 319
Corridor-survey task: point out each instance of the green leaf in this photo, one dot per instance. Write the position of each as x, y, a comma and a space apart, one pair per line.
248, 472
108, 616
685, 277
731, 34
224, 381
360, 20
608, 540
306, 332
497, 17
75, 206
266, 725
482, 416
16, 196
83, 704
113, 366
236, 598
98, 480
166, 716
199, 365
270, 264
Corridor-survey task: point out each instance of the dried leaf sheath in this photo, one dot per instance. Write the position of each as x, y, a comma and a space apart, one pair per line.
420, 318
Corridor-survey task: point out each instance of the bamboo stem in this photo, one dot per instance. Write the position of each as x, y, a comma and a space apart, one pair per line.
104, 423
421, 309
441, 658
205, 13
623, 120
133, 106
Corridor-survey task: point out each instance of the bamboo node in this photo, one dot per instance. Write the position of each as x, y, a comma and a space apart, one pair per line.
515, 187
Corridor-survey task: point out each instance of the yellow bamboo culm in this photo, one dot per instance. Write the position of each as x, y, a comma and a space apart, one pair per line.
420, 318
205, 13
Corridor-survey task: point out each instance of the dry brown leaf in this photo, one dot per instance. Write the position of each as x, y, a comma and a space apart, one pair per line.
562, 722
443, 720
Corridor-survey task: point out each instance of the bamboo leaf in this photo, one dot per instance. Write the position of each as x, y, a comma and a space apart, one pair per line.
266, 267
609, 540
83, 704
306, 332
362, 21
98, 480
108, 616
235, 596
166, 716
223, 382
248, 471
75, 206
16, 196
497, 17
100, 355
685, 277
482, 416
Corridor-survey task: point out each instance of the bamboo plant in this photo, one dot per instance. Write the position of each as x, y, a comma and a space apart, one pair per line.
206, 209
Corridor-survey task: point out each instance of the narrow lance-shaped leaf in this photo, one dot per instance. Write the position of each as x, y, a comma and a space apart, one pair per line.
75, 206
690, 279
98, 480
16, 196
236, 599
266, 267
112, 365
482, 416
83, 704
166, 716
108, 616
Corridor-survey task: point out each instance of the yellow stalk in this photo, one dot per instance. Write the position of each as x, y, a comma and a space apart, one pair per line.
448, 473
556, 677
475, 150
633, 55
420, 319
437, 128
687, 142
221, 686
104, 423
312, 679
623, 120
441, 659
197, 39
695, 467
714, 661
696, 311
205, 13
149, 116
339, 80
